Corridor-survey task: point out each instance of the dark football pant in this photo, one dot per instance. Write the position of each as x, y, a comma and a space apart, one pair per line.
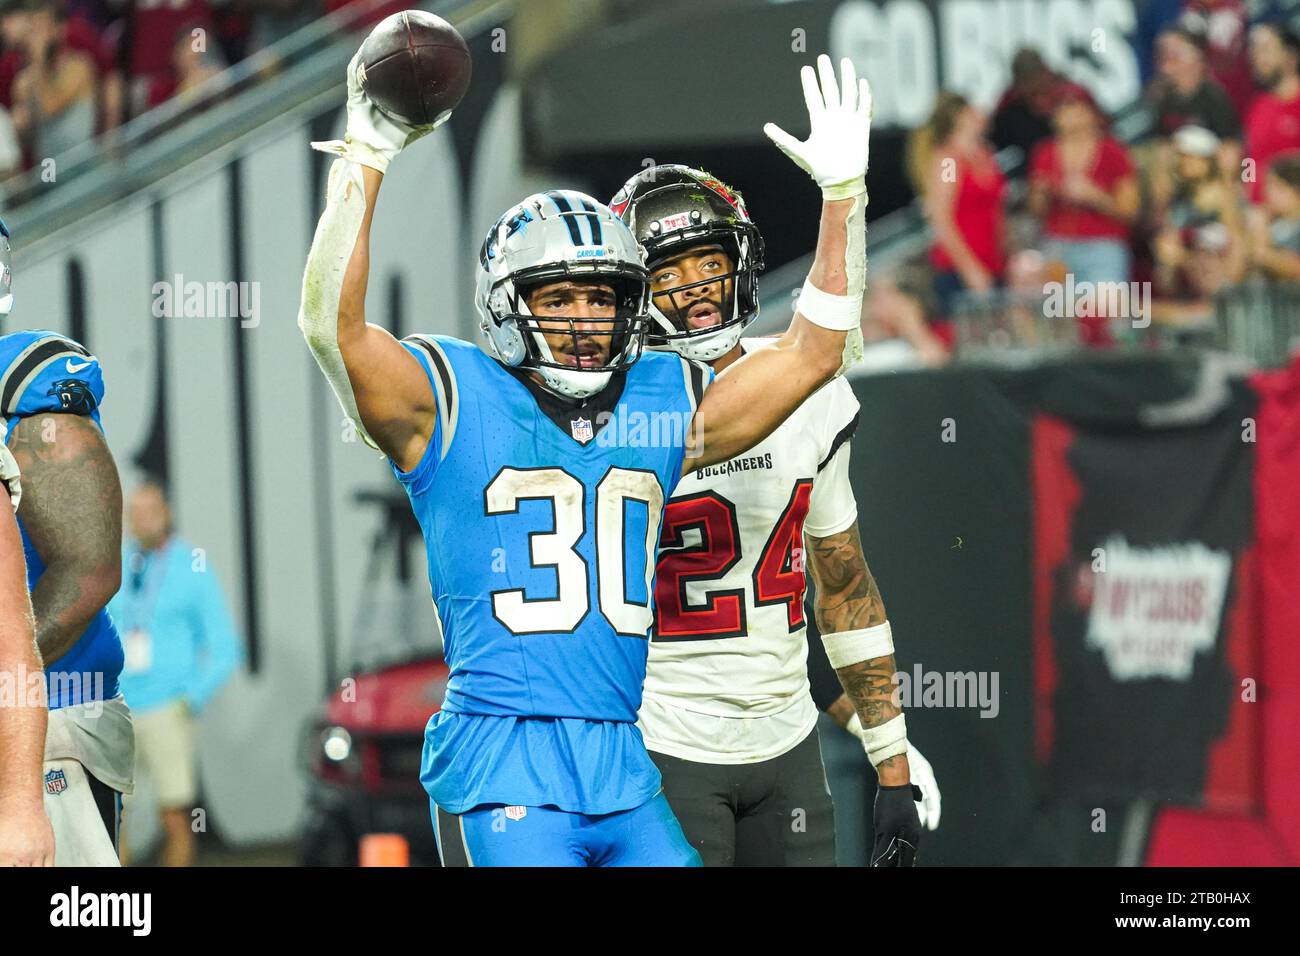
773, 813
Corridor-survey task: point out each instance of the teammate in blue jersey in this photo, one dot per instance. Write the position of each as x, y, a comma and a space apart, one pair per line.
70, 522
538, 471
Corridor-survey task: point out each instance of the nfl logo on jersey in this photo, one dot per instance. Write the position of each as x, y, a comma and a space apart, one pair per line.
581, 429
55, 782
516, 813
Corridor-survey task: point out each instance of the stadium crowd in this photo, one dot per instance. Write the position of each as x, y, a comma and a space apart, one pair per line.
71, 69
1042, 191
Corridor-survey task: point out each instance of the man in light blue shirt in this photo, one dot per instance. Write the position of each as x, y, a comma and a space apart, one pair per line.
180, 647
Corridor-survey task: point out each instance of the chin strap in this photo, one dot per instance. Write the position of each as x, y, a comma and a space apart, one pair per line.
322, 282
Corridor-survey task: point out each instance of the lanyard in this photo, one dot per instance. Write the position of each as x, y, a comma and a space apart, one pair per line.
143, 601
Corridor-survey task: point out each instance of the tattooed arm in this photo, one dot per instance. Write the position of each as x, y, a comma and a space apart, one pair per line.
848, 599
72, 511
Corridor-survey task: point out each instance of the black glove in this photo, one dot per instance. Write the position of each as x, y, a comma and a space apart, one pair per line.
898, 828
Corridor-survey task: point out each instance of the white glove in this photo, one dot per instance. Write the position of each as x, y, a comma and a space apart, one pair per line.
372, 138
930, 806
9, 470
836, 151
931, 803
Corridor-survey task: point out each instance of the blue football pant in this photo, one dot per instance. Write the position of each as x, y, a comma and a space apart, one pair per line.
497, 835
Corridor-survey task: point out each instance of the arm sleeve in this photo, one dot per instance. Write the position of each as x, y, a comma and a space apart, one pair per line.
833, 507
322, 281
219, 650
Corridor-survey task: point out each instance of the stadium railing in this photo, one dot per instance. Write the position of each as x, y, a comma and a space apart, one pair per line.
305, 65
1259, 320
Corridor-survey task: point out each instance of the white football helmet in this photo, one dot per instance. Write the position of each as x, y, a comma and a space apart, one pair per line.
551, 237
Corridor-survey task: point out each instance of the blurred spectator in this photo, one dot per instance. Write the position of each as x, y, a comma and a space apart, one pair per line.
148, 48
54, 92
180, 647
1183, 92
1224, 25
192, 65
76, 31
896, 330
1023, 116
1154, 16
13, 24
954, 170
1200, 246
1273, 239
1273, 124
1083, 187
11, 150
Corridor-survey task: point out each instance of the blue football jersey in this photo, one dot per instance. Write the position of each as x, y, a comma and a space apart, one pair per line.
46, 372
541, 537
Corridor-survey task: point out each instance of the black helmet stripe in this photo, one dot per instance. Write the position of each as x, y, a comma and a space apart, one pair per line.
562, 204
593, 220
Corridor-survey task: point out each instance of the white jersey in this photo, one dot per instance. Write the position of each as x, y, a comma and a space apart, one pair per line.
726, 681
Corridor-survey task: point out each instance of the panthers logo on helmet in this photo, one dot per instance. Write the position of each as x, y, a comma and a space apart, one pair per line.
74, 396
495, 236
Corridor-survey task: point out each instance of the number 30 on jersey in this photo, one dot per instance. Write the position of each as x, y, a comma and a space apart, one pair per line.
558, 551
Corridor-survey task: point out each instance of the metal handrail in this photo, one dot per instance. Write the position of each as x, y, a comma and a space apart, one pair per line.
1260, 320
96, 174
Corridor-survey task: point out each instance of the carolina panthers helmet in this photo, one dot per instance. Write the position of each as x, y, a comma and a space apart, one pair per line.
670, 209
551, 237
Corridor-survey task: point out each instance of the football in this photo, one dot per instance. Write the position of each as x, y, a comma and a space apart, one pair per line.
415, 67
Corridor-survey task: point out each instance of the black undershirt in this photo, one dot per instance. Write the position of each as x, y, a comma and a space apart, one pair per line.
597, 409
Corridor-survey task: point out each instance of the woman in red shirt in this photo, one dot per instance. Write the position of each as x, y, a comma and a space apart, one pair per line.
954, 170
1083, 188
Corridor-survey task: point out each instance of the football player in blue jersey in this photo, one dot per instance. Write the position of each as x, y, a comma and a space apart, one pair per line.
70, 521
539, 474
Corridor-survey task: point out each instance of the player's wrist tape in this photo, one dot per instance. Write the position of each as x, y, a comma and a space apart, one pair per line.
837, 312
838, 191
852, 647
361, 153
885, 740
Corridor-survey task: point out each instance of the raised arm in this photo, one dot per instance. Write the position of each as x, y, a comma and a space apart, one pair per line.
72, 510
753, 396
381, 387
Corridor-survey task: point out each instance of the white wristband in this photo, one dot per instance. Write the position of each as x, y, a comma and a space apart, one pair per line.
886, 740
837, 312
852, 647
